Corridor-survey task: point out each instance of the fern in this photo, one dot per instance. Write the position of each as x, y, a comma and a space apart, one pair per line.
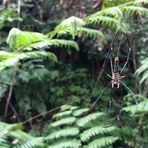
74, 26
114, 16
64, 121
66, 144
80, 112
62, 114
130, 10
63, 133
19, 138
141, 107
102, 142
97, 130
32, 143
87, 119
23, 40
143, 70
6, 128
10, 59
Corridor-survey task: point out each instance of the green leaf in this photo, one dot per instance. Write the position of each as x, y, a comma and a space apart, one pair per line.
66, 144
92, 132
23, 40
64, 121
12, 59
102, 142
62, 114
91, 117
66, 132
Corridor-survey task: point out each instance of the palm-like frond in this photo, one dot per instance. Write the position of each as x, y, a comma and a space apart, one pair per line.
64, 121
102, 142
87, 119
61, 43
10, 59
141, 107
23, 40
63, 114
143, 70
74, 26
19, 138
114, 16
32, 143
130, 10
80, 112
66, 144
66, 132
97, 130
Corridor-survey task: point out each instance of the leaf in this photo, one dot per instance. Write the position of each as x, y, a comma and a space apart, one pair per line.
64, 121
91, 117
12, 59
66, 144
66, 132
23, 40
97, 130
102, 142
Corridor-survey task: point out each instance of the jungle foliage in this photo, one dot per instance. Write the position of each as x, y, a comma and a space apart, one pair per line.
49, 66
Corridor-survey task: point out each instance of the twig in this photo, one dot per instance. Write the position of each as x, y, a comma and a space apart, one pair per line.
42, 114
14, 111
39, 10
18, 11
9, 95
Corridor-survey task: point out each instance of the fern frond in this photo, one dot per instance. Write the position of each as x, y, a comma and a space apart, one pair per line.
32, 143
68, 26
23, 40
102, 142
61, 43
66, 144
66, 107
88, 134
11, 59
91, 32
141, 107
66, 132
63, 114
7, 128
80, 112
103, 20
143, 70
18, 39
140, 2
130, 10
64, 121
91, 117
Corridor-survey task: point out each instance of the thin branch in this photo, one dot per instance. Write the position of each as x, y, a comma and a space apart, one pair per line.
42, 114
14, 111
9, 95
39, 10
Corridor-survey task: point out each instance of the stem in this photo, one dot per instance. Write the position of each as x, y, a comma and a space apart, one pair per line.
42, 114
9, 95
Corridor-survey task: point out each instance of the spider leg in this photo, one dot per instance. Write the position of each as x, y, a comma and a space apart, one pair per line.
99, 96
128, 56
136, 101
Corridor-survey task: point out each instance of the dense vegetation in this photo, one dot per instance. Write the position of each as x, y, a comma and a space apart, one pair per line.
53, 54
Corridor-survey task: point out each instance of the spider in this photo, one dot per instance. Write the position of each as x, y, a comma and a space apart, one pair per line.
116, 77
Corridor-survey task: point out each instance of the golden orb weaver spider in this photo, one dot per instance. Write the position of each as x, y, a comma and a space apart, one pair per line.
116, 74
